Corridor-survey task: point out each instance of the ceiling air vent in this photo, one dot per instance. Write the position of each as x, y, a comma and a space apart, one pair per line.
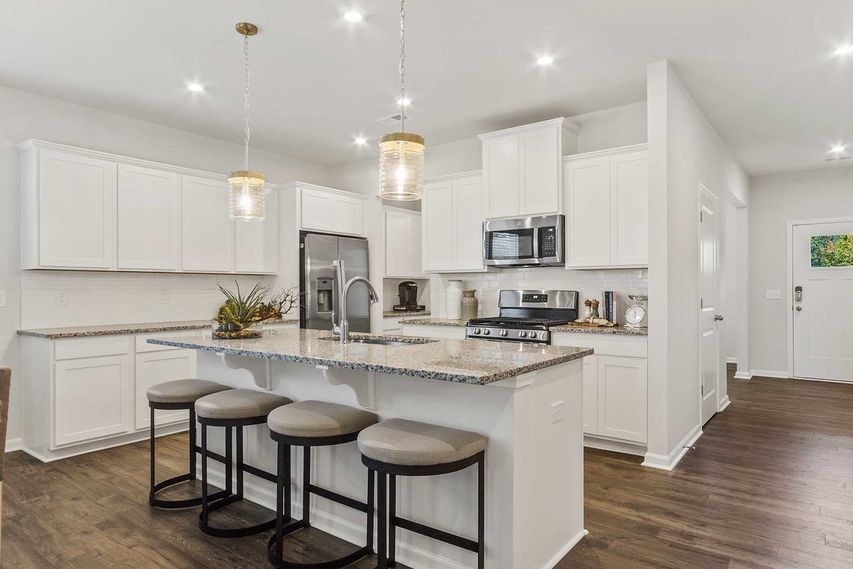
837, 158
391, 120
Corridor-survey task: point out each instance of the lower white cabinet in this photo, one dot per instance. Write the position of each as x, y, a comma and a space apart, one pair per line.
156, 367
590, 394
92, 398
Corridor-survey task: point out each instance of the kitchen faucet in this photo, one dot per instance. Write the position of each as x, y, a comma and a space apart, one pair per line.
342, 330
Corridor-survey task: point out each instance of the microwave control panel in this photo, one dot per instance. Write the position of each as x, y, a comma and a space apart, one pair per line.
548, 242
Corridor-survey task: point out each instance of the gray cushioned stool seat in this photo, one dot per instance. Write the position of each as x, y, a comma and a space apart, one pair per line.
409, 443
183, 390
316, 419
238, 404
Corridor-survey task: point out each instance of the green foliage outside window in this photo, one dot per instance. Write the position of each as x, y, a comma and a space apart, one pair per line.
832, 250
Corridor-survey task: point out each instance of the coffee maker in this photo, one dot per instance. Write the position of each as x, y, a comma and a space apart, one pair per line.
408, 294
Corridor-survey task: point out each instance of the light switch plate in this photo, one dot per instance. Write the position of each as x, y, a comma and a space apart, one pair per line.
772, 294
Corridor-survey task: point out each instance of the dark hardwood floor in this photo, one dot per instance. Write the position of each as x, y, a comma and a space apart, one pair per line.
769, 486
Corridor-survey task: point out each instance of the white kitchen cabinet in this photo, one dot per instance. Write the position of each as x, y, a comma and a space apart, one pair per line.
207, 232
155, 367
522, 168
69, 205
453, 224
590, 394
92, 399
329, 210
607, 209
402, 243
149, 219
256, 242
622, 398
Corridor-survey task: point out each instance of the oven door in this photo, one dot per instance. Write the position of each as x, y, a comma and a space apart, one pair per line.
528, 241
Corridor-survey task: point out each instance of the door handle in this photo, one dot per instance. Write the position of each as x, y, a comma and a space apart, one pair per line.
718, 317
799, 308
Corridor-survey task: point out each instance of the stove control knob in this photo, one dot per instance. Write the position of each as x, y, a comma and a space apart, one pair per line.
477, 330
486, 332
522, 334
503, 332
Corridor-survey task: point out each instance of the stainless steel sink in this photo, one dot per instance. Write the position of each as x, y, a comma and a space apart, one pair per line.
381, 341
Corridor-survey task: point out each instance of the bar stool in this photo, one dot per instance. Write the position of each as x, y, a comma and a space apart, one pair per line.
232, 409
170, 395
398, 447
312, 424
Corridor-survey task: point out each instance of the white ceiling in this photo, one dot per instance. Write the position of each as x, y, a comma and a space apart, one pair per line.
761, 69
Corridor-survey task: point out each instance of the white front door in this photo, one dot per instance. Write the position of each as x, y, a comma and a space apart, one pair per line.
823, 300
709, 304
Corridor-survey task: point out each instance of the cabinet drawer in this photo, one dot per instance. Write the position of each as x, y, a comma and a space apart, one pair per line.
604, 344
71, 348
143, 346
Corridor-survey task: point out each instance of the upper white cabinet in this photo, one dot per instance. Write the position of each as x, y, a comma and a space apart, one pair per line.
149, 219
522, 168
452, 221
607, 211
207, 232
69, 206
88, 210
329, 210
402, 243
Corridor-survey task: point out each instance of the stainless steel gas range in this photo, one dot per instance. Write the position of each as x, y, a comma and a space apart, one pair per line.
526, 316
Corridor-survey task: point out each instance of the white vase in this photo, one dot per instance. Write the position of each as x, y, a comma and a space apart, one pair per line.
453, 297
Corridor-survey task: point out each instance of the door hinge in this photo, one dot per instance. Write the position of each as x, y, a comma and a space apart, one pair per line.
701, 303
702, 390
701, 215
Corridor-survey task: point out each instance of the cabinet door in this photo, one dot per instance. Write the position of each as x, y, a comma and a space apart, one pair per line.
413, 247
318, 210
622, 398
629, 212
349, 215
540, 171
149, 219
590, 395
256, 242
76, 209
588, 212
207, 233
468, 224
92, 398
396, 244
501, 175
437, 230
156, 367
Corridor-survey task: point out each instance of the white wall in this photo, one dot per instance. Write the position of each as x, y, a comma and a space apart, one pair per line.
775, 200
684, 152
23, 116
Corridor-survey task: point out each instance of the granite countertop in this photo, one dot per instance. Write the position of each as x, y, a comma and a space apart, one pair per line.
403, 314
121, 329
460, 361
615, 330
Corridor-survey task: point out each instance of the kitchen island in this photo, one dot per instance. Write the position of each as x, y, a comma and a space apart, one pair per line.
526, 399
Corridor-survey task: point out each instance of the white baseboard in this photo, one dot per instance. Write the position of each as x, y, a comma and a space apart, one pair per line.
668, 462
595, 442
14, 444
565, 549
731, 361
725, 403
775, 374
743, 375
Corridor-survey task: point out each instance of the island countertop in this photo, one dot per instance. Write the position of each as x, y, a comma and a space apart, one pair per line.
124, 329
619, 329
461, 361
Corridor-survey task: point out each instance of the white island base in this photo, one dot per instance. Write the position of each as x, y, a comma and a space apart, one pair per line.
534, 459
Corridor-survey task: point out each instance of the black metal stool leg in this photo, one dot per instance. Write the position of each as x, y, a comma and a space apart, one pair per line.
371, 508
193, 443
382, 522
279, 503
306, 486
229, 461
204, 497
392, 520
481, 512
153, 460
239, 442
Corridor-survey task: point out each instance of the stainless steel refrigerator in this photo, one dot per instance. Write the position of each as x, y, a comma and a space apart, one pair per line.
318, 280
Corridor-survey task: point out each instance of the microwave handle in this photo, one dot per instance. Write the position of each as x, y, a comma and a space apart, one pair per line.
536, 243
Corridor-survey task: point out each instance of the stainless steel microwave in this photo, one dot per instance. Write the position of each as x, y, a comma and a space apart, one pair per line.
524, 241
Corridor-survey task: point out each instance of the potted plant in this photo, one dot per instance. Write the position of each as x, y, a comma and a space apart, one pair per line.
239, 316
280, 304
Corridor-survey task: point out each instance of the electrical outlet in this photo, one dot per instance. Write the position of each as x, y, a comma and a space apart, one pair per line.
557, 411
61, 299
164, 297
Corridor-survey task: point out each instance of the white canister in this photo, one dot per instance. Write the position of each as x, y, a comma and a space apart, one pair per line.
453, 297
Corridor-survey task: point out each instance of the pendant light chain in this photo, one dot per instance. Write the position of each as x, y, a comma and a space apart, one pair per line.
402, 65
248, 132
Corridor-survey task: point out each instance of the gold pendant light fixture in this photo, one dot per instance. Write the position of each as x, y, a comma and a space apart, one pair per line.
246, 201
401, 154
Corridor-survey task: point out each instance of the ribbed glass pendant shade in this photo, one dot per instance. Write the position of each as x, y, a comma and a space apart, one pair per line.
246, 201
401, 166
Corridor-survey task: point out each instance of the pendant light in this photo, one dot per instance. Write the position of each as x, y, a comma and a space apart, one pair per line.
401, 154
246, 201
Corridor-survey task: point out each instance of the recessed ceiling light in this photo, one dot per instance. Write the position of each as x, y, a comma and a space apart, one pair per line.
846, 49
360, 141
405, 101
545, 60
195, 87
838, 149
353, 16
